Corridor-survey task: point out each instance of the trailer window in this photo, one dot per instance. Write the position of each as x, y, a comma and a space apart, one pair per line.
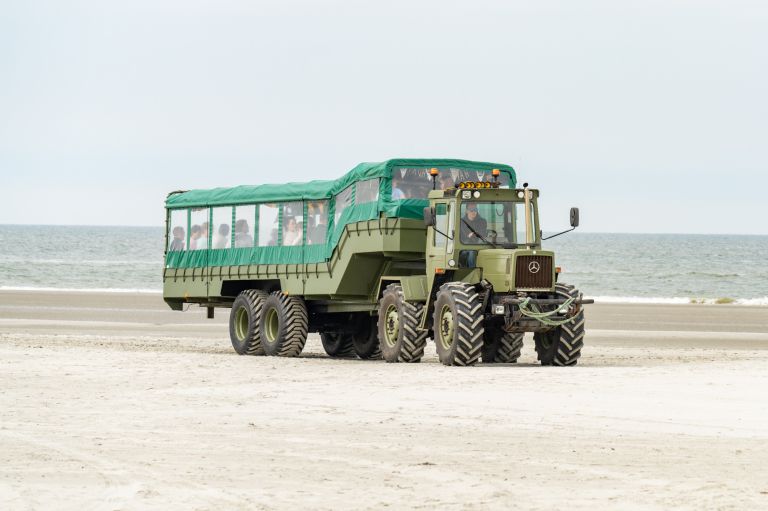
244, 226
268, 225
366, 191
343, 201
410, 183
198, 230
317, 222
222, 222
293, 224
416, 183
177, 230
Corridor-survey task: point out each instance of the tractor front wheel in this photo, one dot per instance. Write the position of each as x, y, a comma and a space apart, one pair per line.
458, 324
561, 346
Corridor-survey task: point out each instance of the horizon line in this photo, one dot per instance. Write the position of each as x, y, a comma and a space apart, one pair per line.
546, 232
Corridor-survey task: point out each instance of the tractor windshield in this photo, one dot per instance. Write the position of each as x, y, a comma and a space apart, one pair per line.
494, 223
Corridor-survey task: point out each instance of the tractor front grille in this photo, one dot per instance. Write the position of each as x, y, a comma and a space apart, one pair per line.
533, 272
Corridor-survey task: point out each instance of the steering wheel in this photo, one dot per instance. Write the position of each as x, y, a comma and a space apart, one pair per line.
492, 233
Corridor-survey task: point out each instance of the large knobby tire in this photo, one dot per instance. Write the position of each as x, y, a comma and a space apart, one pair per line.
502, 347
284, 323
338, 345
398, 327
458, 324
365, 341
562, 345
245, 320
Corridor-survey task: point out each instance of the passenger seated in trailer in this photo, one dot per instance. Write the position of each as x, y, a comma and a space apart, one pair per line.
202, 241
222, 238
243, 237
397, 192
177, 244
194, 235
446, 181
292, 234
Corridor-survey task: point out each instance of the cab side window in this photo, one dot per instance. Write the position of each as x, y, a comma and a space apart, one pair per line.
441, 224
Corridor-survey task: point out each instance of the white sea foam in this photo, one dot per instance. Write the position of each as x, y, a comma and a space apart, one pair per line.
679, 300
640, 299
753, 301
80, 290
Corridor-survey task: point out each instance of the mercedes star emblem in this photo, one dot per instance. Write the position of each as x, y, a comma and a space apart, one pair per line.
534, 267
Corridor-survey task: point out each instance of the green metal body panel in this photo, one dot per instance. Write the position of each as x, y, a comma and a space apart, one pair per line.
415, 289
366, 251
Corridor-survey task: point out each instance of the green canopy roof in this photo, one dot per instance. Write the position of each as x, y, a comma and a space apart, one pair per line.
249, 194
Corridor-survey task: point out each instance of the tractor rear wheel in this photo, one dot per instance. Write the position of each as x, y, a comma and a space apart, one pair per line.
244, 322
501, 347
338, 345
365, 341
398, 326
458, 324
283, 325
561, 346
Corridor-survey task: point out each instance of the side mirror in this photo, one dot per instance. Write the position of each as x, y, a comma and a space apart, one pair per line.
574, 217
429, 217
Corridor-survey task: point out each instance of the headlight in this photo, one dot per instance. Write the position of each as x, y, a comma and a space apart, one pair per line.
499, 310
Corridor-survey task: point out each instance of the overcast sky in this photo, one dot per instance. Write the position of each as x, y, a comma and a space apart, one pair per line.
651, 116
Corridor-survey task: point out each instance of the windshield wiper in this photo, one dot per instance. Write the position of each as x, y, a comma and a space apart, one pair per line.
479, 235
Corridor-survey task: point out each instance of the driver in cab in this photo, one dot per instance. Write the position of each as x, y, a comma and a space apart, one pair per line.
473, 226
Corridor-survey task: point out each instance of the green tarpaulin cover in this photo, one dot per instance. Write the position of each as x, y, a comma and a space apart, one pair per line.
317, 190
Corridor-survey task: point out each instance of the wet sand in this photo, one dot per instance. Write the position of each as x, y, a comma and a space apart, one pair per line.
112, 401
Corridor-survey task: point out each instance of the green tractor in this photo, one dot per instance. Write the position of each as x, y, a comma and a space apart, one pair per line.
377, 262
490, 281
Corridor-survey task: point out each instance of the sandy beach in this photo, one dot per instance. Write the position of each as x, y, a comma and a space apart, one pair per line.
112, 401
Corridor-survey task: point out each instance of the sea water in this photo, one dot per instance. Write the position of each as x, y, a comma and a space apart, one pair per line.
654, 268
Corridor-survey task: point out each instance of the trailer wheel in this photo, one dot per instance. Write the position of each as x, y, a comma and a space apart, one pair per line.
501, 347
366, 340
244, 322
399, 336
283, 325
338, 345
562, 345
458, 324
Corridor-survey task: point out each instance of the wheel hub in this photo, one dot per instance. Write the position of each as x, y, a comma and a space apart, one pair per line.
447, 327
392, 325
272, 325
241, 324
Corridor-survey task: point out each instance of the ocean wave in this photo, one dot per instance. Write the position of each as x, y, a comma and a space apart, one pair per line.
101, 262
680, 300
82, 290
641, 299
